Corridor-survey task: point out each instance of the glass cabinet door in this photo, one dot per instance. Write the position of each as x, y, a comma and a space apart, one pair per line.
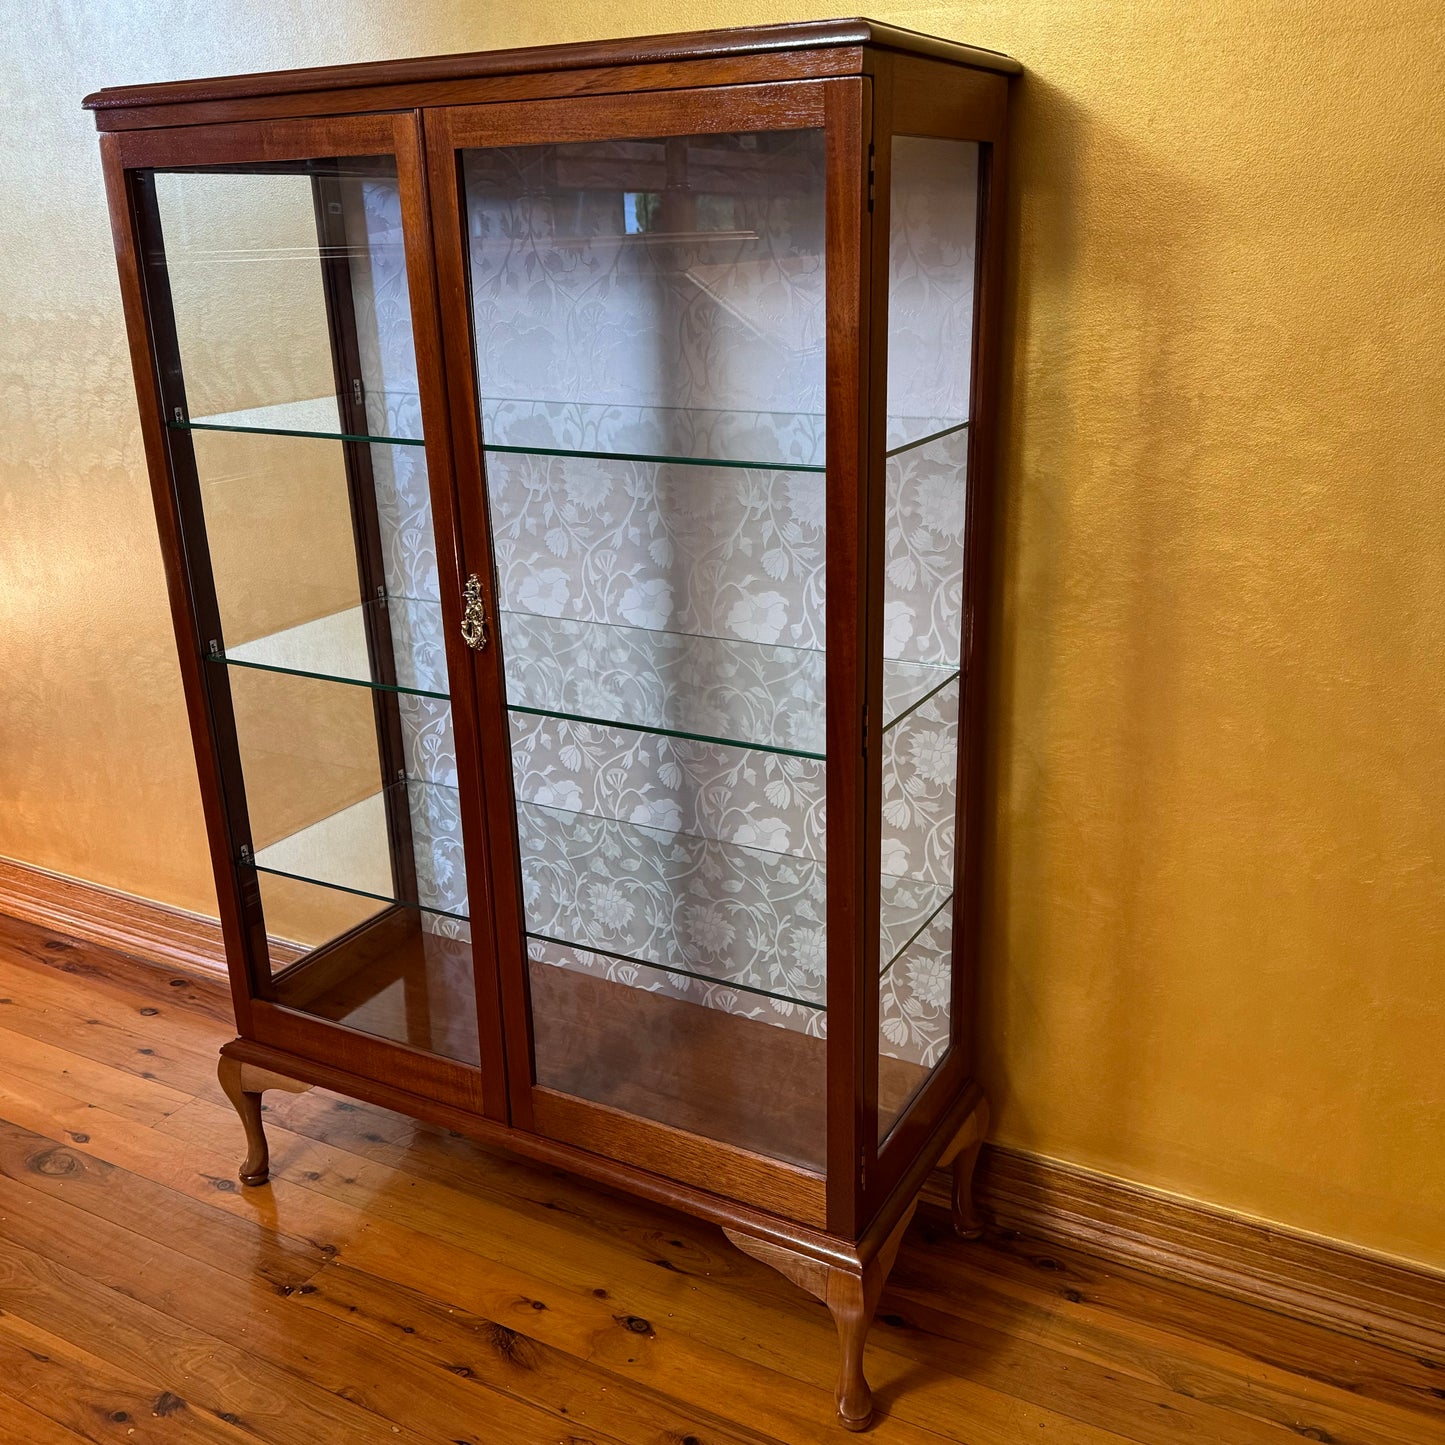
648, 334
281, 312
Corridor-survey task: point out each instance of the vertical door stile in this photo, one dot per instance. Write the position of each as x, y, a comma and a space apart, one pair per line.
876, 285
504, 958
461, 551
853, 701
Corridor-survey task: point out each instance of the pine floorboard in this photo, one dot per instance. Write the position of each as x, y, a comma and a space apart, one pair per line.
396, 1282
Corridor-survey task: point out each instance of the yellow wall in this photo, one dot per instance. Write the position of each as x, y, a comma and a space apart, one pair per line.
1216, 959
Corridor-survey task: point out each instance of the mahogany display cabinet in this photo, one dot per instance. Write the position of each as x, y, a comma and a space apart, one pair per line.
573, 474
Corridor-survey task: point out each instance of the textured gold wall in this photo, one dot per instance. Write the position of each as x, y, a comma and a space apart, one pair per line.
1216, 958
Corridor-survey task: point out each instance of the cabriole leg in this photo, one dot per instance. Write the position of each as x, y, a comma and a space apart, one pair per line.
963, 1155
243, 1085
851, 1297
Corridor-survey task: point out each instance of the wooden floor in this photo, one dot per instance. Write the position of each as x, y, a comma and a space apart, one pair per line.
398, 1284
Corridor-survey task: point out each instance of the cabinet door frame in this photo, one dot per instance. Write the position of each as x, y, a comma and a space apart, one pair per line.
840, 108
191, 587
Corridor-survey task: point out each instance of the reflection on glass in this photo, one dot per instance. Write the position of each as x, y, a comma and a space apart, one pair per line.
649, 326
932, 235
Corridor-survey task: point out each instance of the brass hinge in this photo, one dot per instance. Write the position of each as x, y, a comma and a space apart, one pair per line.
872, 177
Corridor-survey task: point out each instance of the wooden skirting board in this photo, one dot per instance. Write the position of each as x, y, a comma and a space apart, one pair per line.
1348, 1289
1319, 1280
136, 926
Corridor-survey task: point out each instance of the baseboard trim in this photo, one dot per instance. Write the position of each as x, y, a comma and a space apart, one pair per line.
155, 932
1340, 1286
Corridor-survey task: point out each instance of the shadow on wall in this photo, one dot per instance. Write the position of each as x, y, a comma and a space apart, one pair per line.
1088, 532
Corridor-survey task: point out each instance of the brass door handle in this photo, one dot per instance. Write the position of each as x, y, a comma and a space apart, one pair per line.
474, 615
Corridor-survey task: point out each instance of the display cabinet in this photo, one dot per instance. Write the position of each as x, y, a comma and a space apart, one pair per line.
573, 474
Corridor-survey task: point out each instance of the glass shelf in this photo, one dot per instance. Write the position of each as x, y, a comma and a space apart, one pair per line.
694, 907
790, 441
767, 440
907, 432
315, 417
333, 648
350, 851
708, 689
696, 436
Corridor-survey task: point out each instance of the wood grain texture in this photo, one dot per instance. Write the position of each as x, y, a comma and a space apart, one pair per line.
759, 69
149, 1298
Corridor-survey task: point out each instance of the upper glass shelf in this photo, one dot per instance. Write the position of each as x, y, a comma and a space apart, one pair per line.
696, 907
335, 648
392, 419
709, 689
690, 436
698, 436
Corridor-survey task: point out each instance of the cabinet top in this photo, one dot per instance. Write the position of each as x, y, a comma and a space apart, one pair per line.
647, 49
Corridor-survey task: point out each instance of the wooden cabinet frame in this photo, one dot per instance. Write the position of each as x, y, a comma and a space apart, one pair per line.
860, 84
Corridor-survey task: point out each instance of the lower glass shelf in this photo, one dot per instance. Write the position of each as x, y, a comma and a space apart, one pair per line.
720, 913
696, 908
352, 850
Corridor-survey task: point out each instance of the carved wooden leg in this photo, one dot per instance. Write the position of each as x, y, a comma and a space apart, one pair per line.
243, 1085
963, 1154
851, 1297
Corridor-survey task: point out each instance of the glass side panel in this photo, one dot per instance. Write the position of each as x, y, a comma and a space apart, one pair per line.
932, 242
301, 414
649, 325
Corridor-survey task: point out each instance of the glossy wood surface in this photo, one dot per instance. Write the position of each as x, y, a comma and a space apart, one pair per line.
852, 906
806, 35
149, 1298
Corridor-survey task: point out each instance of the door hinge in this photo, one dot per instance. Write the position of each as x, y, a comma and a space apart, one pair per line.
872, 177
356, 390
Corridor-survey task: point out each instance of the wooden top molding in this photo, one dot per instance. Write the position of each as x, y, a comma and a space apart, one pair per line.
648, 49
